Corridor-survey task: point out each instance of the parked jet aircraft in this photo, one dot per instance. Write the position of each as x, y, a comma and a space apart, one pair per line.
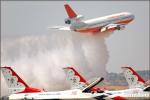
137, 89
21, 91
108, 23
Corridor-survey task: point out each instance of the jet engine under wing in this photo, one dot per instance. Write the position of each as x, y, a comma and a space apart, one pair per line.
112, 27
65, 28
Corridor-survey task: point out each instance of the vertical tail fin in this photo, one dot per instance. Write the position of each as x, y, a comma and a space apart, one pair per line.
133, 78
77, 81
15, 83
69, 11
72, 16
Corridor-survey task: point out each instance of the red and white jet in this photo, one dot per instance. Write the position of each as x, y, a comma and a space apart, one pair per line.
108, 23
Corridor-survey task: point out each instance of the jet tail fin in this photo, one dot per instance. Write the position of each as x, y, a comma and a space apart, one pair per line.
15, 83
133, 78
77, 81
72, 16
70, 11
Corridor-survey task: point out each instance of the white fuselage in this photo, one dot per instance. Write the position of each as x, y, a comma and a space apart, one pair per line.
115, 18
68, 94
119, 18
129, 94
134, 94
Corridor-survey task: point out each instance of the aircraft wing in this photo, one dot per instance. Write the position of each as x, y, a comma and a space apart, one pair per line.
112, 27
65, 28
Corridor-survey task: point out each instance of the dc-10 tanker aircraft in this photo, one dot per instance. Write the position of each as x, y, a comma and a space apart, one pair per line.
104, 24
19, 90
138, 89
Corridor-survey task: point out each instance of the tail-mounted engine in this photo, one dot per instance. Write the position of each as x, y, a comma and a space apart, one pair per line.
74, 19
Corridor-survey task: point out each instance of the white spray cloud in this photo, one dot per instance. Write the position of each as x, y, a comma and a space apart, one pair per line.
39, 59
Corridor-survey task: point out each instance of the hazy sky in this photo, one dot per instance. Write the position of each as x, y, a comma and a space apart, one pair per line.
127, 47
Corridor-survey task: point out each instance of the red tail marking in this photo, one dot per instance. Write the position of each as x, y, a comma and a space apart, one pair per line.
31, 90
15, 74
28, 89
76, 73
70, 12
135, 73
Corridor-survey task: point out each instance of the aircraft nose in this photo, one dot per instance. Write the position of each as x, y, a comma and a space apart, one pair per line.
131, 15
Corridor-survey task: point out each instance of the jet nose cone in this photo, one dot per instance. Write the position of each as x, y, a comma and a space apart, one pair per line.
129, 14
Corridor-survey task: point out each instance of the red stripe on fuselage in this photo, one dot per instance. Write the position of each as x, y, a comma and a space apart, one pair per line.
96, 29
31, 90
119, 98
124, 22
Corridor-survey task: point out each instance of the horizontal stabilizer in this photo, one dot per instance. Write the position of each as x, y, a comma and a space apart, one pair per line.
61, 28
